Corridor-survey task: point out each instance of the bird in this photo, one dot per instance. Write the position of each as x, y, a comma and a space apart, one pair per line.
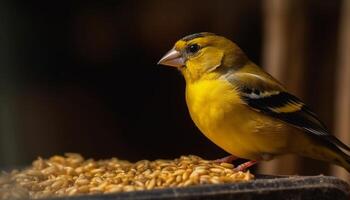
243, 109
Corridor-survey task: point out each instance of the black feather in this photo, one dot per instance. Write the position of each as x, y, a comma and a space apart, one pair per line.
196, 35
273, 101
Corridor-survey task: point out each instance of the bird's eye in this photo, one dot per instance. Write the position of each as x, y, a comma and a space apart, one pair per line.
193, 48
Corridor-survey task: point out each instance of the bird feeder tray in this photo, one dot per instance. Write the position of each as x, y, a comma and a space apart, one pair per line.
263, 187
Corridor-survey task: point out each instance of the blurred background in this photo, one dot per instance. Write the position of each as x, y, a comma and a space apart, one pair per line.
81, 76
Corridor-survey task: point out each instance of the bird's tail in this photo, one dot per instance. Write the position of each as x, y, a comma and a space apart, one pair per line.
329, 153
344, 161
336, 156
341, 157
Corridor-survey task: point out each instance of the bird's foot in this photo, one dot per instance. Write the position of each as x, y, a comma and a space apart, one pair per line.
227, 159
246, 165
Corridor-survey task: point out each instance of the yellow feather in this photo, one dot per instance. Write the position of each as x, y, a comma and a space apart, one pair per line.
217, 110
288, 108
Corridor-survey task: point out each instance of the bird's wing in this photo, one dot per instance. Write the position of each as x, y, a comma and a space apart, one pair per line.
266, 95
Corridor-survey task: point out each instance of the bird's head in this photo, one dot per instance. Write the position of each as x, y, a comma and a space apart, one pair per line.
201, 54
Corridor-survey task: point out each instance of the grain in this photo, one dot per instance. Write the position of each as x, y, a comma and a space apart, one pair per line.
73, 175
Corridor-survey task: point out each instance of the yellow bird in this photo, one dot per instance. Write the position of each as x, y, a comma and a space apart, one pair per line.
243, 109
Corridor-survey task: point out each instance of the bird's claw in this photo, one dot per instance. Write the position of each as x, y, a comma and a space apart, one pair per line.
246, 165
227, 159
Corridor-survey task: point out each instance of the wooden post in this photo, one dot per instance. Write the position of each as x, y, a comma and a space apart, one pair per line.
342, 102
283, 57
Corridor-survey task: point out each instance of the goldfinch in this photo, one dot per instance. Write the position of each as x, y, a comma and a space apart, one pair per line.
243, 109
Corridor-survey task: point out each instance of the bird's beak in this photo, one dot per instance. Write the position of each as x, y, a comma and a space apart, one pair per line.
172, 58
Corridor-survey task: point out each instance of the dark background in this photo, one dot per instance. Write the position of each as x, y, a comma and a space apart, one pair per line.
81, 76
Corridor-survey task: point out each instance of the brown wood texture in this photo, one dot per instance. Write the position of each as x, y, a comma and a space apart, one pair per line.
342, 101
283, 57
308, 60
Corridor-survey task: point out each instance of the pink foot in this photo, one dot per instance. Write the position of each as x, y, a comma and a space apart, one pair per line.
227, 159
246, 165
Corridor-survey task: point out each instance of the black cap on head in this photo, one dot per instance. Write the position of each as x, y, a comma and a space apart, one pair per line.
196, 35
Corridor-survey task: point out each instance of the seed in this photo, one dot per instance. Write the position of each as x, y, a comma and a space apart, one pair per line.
103, 185
97, 180
151, 184
49, 170
227, 165
57, 184
204, 179
169, 181
79, 170
129, 188
201, 168
139, 183
140, 166
147, 172
215, 180
155, 173
32, 172
187, 183
96, 190
94, 171
178, 172
46, 183
200, 171
73, 191
186, 174
82, 181
115, 189
178, 178
69, 170
215, 170
72, 175
61, 191
83, 189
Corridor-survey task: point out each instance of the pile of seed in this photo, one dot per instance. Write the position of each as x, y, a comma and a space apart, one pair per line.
72, 175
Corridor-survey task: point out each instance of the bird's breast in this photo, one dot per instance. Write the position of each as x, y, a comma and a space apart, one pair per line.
210, 101
218, 111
